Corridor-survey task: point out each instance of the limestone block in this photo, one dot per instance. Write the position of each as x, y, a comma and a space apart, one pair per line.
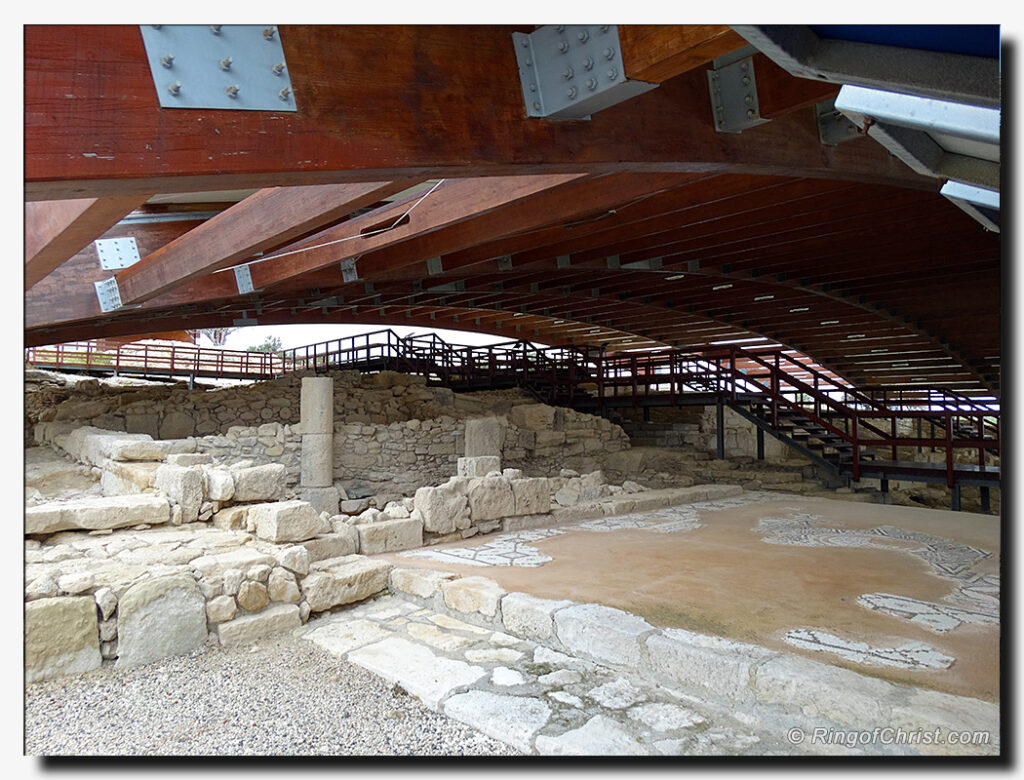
491, 499
344, 580
220, 609
511, 719
121, 479
317, 460
294, 559
285, 521
825, 691
344, 541
74, 583
484, 436
232, 581
354, 506
61, 637
96, 513
252, 596
184, 486
177, 425
602, 634
189, 458
419, 582
720, 666
473, 594
106, 602
479, 466
316, 410
281, 586
397, 511
442, 509
590, 485
211, 566
322, 499
531, 496
220, 485
569, 494
260, 483
258, 572
249, 628
231, 519
532, 417
160, 617
530, 617
599, 736
148, 424
390, 536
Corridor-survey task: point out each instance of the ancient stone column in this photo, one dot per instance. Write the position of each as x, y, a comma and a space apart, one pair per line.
317, 424
483, 447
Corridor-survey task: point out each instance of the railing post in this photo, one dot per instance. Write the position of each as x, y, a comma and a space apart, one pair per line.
895, 455
949, 449
720, 427
856, 447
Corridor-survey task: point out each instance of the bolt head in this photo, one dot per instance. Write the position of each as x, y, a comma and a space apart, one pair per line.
571, 93
608, 53
215, 28
167, 60
568, 73
591, 84
174, 87
583, 36
563, 46
612, 74
268, 33
751, 113
588, 63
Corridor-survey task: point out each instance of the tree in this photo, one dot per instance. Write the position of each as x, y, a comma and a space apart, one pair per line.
270, 344
217, 336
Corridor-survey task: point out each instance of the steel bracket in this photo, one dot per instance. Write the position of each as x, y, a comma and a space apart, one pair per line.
834, 127
230, 66
243, 278
116, 253
734, 105
108, 294
348, 270
572, 71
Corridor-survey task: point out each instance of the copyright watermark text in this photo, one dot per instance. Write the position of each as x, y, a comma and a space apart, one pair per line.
888, 735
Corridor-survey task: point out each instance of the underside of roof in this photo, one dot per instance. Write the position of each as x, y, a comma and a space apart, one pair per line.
408, 185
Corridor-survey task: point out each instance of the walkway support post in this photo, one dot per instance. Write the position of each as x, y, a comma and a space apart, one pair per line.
317, 421
720, 428
760, 444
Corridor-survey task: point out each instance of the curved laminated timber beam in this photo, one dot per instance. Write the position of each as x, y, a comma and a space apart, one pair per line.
387, 198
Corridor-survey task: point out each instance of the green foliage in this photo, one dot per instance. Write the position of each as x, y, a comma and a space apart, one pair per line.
270, 344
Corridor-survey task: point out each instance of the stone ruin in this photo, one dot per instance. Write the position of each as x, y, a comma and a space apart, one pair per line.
139, 547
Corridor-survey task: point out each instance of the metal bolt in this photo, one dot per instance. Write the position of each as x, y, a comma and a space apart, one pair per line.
225, 64
714, 75
571, 93
751, 113
604, 28
278, 69
608, 53
268, 33
215, 28
563, 46
284, 93
748, 99
745, 81
559, 28
744, 65
588, 63
174, 87
568, 72
721, 122
232, 91
167, 60
536, 106
583, 36
613, 74
526, 43
533, 88
591, 84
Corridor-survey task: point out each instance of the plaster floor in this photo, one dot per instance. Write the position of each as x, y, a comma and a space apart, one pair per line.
763, 566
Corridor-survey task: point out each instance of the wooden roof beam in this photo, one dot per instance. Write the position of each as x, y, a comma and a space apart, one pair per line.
56, 230
264, 220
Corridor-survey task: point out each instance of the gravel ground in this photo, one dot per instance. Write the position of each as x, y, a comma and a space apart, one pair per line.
288, 697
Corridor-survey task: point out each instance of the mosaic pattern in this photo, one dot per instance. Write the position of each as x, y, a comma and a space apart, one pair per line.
935, 617
912, 655
506, 550
975, 596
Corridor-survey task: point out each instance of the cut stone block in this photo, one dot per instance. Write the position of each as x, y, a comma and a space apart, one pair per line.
322, 499
317, 460
212, 566
442, 509
721, 666
531, 496
220, 485
479, 466
189, 458
473, 594
344, 541
491, 499
414, 667
285, 521
61, 637
344, 580
184, 486
316, 405
260, 483
220, 609
389, 536
253, 596
532, 417
602, 634
249, 628
177, 425
484, 437
530, 617
160, 617
122, 479
233, 518
419, 582
281, 586
339, 637
600, 736
294, 559
510, 719
91, 514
